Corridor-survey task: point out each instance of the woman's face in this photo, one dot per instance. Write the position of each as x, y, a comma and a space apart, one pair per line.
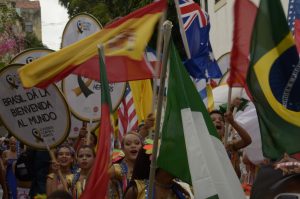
12, 143
85, 158
219, 123
132, 145
64, 157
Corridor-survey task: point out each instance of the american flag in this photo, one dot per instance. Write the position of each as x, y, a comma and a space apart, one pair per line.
294, 20
127, 117
196, 26
291, 15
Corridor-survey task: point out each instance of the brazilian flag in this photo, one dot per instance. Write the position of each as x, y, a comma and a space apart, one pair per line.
273, 80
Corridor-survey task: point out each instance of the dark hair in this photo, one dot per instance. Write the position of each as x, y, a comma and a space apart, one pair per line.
141, 167
85, 147
59, 194
95, 138
217, 112
72, 151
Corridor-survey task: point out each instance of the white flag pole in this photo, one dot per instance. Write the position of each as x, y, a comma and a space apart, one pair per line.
181, 27
167, 34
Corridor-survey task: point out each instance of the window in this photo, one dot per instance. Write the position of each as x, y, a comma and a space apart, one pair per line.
219, 4
28, 27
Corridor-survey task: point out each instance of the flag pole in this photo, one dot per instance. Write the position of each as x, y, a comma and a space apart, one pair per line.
89, 127
183, 35
167, 28
158, 53
227, 110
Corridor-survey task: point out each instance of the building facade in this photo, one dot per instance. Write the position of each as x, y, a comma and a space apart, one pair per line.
30, 11
221, 33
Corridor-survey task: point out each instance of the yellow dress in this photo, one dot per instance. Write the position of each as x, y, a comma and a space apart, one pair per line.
75, 185
58, 182
143, 188
119, 182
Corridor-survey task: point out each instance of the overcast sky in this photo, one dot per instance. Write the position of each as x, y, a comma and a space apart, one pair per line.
54, 19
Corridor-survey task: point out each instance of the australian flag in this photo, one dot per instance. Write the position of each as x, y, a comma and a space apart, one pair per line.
202, 63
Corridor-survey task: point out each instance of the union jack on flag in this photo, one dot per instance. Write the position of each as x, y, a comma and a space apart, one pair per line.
189, 11
196, 28
127, 117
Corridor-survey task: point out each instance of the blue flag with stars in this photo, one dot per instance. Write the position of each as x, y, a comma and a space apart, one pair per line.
196, 27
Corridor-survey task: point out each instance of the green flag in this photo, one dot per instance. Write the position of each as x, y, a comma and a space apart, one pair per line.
274, 82
190, 147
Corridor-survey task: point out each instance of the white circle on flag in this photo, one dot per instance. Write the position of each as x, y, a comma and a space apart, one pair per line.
84, 96
37, 117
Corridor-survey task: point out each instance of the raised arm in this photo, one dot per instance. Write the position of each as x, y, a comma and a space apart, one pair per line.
149, 123
245, 137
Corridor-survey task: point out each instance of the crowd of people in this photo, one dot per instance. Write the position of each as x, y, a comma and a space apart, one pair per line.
30, 173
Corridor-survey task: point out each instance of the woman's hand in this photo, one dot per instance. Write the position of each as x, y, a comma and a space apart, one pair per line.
229, 117
55, 167
149, 123
288, 165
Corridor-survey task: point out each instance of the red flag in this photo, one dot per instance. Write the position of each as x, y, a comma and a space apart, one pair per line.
97, 186
244, 17
297, 34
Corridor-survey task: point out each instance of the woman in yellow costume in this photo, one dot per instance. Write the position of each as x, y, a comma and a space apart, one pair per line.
85, 159
165, 185
121, 171
65, 158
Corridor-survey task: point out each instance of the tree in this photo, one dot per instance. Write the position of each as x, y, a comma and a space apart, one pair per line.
31, 41
104, 10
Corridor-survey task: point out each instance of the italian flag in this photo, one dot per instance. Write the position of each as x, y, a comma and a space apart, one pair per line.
190, 147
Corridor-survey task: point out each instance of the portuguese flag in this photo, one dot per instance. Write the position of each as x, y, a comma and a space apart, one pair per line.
97, 186
273, 80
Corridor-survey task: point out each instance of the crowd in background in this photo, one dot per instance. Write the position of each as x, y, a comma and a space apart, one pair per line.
30, 173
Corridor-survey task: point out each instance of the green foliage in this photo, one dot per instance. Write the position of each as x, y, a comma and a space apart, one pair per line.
31, 41
8, 16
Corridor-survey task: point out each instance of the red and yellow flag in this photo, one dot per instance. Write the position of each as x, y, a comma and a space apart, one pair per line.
124, 41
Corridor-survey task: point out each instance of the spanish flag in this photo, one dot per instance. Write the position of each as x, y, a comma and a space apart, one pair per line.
124, 42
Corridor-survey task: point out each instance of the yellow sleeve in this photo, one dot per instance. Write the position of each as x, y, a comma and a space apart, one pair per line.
69, 179
117, 171
51, 176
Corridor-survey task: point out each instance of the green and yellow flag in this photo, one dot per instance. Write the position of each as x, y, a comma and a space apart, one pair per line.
273, 80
